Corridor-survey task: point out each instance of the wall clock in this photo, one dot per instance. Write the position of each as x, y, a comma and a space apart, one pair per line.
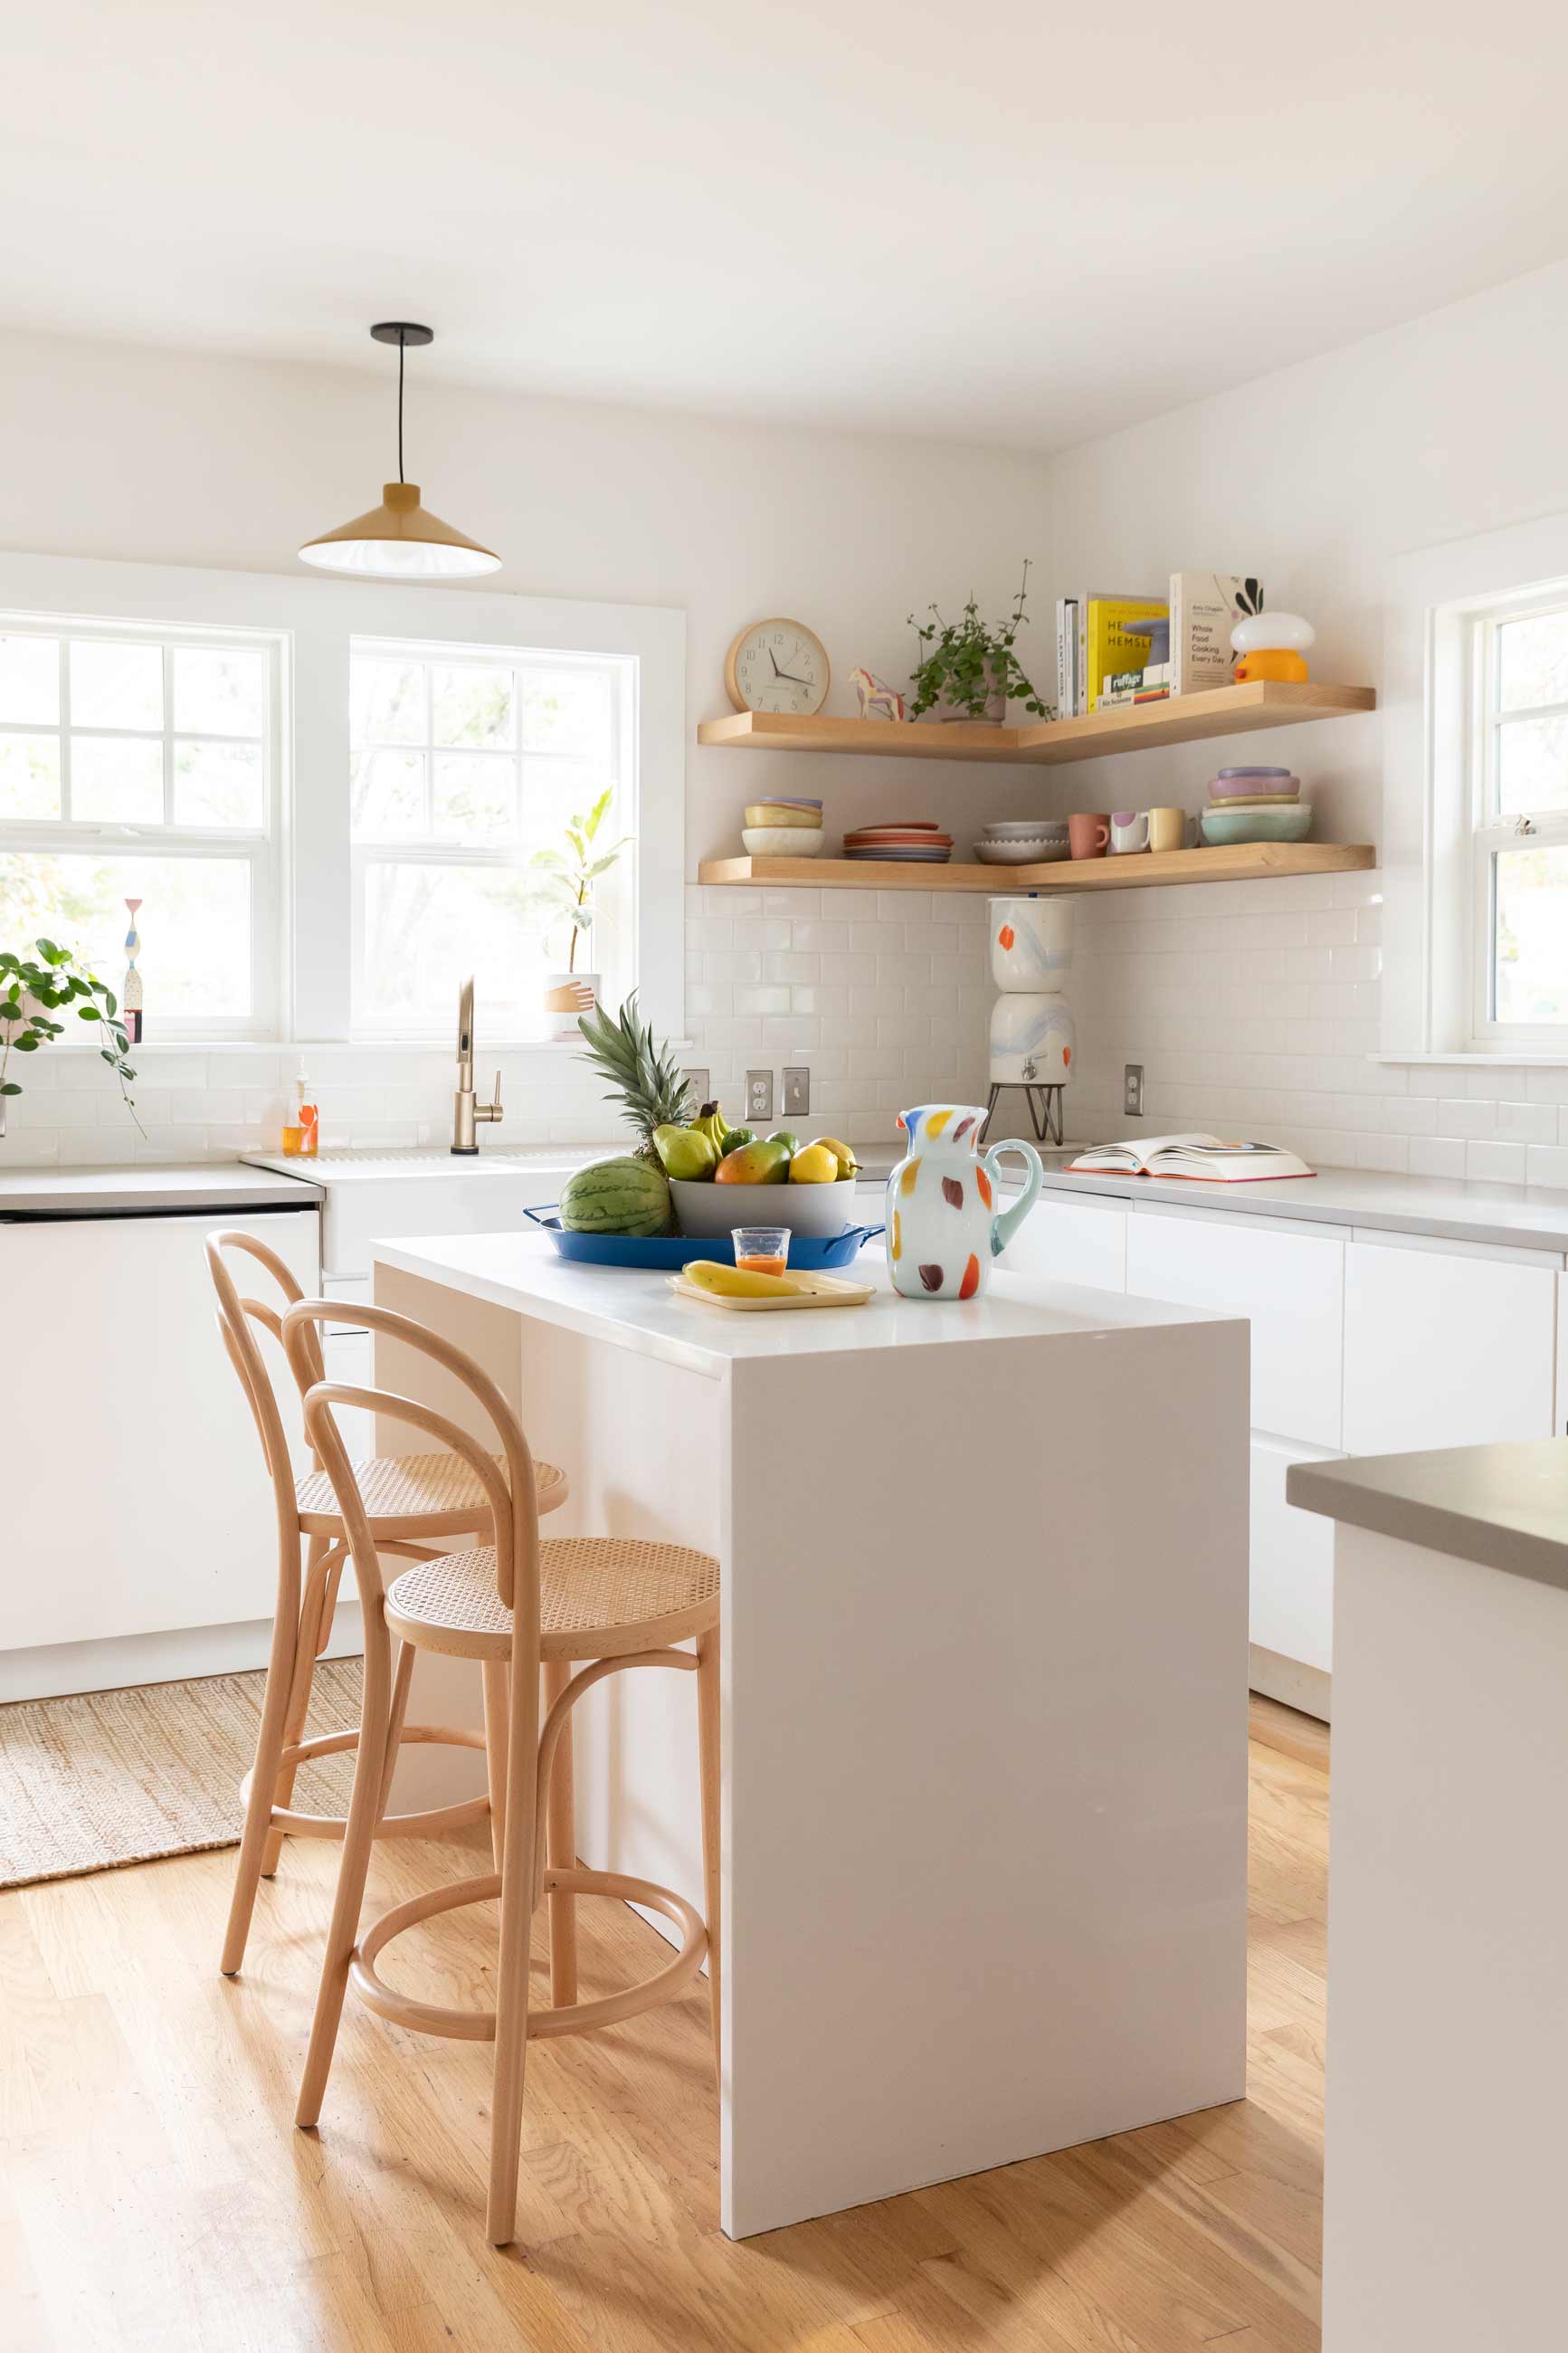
777, 666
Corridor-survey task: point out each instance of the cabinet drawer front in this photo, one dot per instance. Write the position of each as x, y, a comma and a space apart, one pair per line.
1445, 1350
1289, 1286
1292, 1565
1069, 1242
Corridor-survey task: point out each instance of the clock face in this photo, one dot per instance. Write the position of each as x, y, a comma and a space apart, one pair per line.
777, 666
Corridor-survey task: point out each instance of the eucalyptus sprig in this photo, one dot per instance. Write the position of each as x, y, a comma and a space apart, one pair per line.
32, 992
968, 662
568, 880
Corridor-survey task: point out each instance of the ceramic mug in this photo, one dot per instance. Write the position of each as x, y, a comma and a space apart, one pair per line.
1088, 834
1129, 829
1167, 828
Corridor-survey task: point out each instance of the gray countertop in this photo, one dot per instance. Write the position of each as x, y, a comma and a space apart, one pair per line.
101, 1192
1503, 1506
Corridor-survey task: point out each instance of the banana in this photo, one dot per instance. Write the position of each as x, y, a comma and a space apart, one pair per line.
737, 1283
712, 1123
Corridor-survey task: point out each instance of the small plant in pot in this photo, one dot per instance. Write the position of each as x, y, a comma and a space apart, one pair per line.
968, 669
32, 991
566, 882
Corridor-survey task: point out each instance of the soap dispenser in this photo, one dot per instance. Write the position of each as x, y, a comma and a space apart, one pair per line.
301, 1121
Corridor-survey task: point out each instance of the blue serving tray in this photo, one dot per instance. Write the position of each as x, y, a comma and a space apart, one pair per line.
807, 1253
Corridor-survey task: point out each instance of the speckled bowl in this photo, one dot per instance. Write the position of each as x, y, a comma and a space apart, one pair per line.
1228, 828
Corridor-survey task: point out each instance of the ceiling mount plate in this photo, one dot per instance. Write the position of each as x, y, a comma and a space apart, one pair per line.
402, 330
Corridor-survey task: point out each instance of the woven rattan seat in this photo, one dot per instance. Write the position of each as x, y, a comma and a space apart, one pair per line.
437, 1492
598, 1596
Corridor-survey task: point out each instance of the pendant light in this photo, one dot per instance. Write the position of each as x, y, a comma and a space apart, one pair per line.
400, 540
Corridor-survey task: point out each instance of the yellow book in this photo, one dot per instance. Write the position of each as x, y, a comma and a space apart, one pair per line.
1108, 648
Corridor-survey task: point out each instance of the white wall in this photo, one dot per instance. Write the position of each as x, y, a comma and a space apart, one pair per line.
176, 457
1256, 1005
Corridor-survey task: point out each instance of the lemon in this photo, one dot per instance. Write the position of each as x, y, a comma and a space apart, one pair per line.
814, 1165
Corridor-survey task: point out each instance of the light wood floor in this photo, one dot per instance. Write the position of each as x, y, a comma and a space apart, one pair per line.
153, 2194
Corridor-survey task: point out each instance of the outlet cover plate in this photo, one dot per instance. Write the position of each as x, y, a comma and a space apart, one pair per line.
1133, 1091
759, 1096
699, 1081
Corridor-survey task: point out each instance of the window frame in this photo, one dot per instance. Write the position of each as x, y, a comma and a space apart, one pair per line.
316, 620
258, 849
1492, 831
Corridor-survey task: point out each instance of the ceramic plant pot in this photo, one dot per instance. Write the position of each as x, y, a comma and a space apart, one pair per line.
1031, 944
1032, 1041
568, 995
944, 1225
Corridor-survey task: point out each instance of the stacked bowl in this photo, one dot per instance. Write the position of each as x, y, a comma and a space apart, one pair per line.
1022, 842
777, 828
1254, 805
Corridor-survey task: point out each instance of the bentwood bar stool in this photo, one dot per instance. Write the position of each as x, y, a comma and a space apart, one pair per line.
607, 1602
435, 1498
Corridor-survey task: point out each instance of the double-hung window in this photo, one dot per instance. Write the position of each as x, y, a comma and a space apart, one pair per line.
1519, 842
139, 762
464, 762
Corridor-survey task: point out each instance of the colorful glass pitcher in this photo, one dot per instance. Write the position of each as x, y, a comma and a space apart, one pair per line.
943, 1225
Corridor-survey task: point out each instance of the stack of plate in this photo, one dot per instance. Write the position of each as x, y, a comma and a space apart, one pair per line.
1254, 805
1022, 842
916, 842
777, 828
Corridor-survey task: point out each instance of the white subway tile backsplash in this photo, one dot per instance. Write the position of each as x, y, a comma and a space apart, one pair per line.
1438, 1155
1496, 1164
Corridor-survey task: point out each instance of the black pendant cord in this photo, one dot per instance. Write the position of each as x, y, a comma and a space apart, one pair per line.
401, 351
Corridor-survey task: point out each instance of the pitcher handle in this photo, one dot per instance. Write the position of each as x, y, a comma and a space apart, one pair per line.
1006, 1224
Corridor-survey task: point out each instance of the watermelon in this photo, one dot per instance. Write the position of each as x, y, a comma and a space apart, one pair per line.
616, 1196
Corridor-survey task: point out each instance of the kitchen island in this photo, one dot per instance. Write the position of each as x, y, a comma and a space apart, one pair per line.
984, 1691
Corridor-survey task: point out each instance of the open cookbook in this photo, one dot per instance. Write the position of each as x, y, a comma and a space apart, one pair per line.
1199, 1158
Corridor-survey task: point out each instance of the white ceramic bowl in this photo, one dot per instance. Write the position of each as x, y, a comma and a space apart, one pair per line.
707, 1209
1024, 828
782, 840
1038, 852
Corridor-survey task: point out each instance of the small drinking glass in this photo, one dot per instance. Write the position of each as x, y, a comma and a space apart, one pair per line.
761, 1249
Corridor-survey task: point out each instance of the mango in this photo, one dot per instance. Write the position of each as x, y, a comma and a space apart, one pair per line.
755, 1164
684, 1152
814, 1165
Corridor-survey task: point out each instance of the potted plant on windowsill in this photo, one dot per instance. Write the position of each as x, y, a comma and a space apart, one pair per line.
566, 882
967, 669
32, 990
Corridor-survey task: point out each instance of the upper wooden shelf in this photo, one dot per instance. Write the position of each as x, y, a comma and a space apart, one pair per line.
1135, 870
1185, 719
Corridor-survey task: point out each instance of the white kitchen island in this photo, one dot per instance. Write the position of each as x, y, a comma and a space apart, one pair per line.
984, 1686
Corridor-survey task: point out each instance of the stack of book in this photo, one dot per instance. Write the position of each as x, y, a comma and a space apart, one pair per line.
1103, 660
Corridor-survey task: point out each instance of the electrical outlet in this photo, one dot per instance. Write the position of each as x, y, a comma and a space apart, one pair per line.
701, 1092
796, 1090
1132, 1089
758, 1095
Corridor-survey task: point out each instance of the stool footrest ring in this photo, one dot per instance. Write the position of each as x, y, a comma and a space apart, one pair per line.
434, 1821
573, 2018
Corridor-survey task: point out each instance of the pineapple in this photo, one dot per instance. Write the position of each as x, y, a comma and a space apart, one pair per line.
649, 1081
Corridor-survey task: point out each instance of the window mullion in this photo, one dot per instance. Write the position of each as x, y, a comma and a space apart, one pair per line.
168, 654
65, 731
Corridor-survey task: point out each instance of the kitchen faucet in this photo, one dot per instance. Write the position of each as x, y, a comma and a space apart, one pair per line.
464, 1110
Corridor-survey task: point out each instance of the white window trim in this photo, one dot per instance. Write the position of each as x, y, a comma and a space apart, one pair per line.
319, 619
1430, 845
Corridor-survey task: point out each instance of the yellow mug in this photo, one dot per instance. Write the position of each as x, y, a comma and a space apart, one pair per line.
1167, 828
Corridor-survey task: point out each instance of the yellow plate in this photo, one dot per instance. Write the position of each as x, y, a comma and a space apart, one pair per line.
821, 1291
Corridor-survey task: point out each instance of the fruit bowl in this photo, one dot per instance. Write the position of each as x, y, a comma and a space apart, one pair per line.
707, 1208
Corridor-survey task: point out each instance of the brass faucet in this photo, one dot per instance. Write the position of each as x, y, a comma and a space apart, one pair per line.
464, 1110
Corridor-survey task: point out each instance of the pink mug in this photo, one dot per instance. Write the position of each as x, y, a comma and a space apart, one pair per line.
1088, 834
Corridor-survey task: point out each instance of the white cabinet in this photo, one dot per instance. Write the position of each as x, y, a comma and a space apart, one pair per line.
1446, 1348
1290, 1285
1071, 1241
145, 1506
1292, 1581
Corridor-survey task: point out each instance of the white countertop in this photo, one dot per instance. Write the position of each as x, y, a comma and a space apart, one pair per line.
130, 1191
1504, 1506
638, 1310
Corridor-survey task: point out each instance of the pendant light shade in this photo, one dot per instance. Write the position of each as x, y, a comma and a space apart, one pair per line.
400, 539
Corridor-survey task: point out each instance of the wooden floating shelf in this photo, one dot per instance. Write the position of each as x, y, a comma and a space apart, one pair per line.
1134, 871
1185, 719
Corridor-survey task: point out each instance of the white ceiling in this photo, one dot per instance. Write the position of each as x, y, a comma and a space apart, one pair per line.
1015, 223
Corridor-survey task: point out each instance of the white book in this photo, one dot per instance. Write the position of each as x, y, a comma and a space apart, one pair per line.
1204, 1160
1205, 609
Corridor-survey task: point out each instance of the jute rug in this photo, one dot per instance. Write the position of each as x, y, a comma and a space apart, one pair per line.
109, 1777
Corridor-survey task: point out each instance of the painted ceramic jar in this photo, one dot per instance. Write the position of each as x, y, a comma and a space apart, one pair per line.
1032, 1041
1031, 944
944, 1225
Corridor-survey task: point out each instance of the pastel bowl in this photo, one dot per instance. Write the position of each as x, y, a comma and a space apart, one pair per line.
1039, 851
1024, 828
1227, 829
707, 1209
1247, 783
783, 841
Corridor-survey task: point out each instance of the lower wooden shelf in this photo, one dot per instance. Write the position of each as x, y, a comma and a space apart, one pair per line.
1137, 870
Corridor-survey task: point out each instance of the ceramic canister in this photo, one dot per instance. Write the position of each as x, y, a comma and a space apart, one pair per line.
942, 1222
1031, 943
1032, 1041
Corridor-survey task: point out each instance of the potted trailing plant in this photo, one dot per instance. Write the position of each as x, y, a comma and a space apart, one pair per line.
32, 990
566, 882
968, 669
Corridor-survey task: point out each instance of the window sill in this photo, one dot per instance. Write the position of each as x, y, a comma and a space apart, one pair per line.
1523, 1058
